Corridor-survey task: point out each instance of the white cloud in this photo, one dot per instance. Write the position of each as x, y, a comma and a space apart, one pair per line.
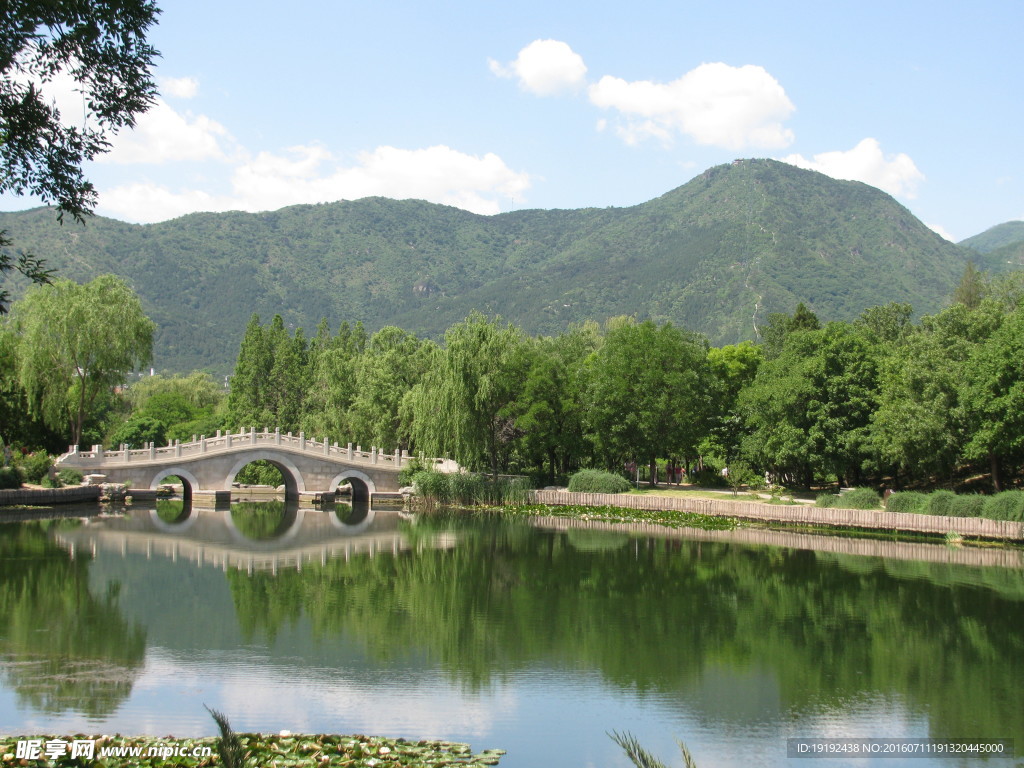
895, 174
544, 67
941, 232
311, 174
146, 202
714, 104
180, 87
164, 135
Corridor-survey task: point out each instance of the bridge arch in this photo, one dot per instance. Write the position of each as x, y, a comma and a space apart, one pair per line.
293, 483
190, 483
362, 493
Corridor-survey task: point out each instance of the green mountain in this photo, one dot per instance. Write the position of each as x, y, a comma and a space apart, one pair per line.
716, 255
994, 238
1000, 248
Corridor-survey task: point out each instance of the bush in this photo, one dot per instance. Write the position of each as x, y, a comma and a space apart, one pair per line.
9, 478
968, 505
70, 476
941, 503
34, 466
709, 478
861, 498
409, 470
913, 502
858, 498
598, 481
1008, 505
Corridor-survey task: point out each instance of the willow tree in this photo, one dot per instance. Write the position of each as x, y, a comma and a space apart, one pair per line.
74, 342
464, 406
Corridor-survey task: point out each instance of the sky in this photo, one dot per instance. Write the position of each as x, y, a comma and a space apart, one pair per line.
494, 106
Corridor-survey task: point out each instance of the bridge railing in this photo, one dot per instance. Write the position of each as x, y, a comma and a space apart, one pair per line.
228, 441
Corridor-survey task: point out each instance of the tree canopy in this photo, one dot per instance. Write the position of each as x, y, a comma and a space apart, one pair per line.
74, 342
100, 45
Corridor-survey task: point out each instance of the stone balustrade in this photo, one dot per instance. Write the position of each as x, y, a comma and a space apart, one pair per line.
229, 441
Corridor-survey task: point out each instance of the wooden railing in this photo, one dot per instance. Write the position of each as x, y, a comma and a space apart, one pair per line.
233, 442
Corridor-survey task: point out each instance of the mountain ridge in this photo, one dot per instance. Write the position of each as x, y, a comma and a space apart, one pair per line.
716, 255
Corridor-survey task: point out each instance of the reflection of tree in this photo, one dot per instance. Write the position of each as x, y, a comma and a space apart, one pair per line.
63, 647
170, 510
656, 615
259, 520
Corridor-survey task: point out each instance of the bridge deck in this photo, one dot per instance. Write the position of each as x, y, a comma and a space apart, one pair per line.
201, 446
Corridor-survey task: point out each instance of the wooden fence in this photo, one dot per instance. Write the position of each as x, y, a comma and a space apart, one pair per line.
974, 527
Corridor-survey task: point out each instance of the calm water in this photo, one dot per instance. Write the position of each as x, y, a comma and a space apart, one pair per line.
500, 634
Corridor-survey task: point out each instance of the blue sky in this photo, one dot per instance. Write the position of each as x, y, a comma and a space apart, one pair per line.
490, 106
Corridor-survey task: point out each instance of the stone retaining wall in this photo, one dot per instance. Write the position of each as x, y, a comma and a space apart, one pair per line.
40, 497
799, 515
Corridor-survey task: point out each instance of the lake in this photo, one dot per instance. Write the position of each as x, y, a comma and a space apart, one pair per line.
503, 634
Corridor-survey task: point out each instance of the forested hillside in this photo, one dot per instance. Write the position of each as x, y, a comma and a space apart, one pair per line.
715, 255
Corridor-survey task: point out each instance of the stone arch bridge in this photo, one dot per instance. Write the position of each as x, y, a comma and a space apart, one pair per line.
210, 464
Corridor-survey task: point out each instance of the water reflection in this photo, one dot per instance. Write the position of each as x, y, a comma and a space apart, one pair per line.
300, 614
63, 645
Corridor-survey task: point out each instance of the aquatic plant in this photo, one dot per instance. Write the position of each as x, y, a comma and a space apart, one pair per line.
641, 758
229, 746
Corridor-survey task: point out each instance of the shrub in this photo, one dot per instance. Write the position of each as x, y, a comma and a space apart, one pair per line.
1008, 505
709, 478
409, 470
70, 476
968, 505
34, 466
861, 498
827, 501
598, 481
941, 503
9, 478
907, 501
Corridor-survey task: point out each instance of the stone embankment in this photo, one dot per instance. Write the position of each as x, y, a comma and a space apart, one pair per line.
41, 497
968, 527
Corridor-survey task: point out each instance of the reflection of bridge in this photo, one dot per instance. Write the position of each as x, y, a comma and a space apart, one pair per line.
211, 464
212, 537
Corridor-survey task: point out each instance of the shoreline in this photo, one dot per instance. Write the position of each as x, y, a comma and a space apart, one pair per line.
799, 515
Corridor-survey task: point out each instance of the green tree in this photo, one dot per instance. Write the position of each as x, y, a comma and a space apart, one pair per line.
779, 325
248, 395
331, 381
102, 45
463, 407
972, 287
76, 342
392, 364
553, 401
732, 368
994, 397
649, 386
808, 410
